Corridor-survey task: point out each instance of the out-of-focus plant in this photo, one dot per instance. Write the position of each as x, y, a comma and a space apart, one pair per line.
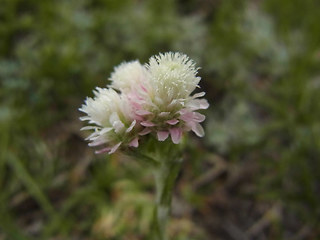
267, 58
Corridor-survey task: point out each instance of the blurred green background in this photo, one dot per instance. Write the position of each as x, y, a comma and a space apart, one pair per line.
255, 175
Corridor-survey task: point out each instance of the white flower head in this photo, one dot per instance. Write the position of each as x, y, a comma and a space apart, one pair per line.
172, 75
128, 75
111, 118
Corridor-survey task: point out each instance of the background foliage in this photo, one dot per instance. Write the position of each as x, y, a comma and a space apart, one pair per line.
256, 174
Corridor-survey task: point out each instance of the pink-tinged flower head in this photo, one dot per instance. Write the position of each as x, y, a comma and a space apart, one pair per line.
129, 76
148, 101
132, 79
167, 107
111, 118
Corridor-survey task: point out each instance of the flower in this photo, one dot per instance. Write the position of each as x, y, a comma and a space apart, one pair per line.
154, 99
164, 104
111, 119
128, 75
172, 75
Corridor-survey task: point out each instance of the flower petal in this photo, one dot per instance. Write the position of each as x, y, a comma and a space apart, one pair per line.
172, 121
96, 143
134, 142
162, 135
105, 130
196, 104
147, 124
115, 147
186, 116
197, 129
88, 128
92, 135
84, 118
118, 126
104, 150
142, 112
200, 94
198, 117
131, 126
192, 116
204, 104
116, 122
176, 134
163, 114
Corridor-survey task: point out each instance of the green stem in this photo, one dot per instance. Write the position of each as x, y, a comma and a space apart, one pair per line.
165, 176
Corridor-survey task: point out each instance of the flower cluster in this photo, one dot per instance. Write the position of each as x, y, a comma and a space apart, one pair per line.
151, 99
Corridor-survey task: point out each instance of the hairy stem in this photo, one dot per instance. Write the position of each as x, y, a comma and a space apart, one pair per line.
165, 176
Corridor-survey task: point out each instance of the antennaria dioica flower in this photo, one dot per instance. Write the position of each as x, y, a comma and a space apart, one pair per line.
139, 110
